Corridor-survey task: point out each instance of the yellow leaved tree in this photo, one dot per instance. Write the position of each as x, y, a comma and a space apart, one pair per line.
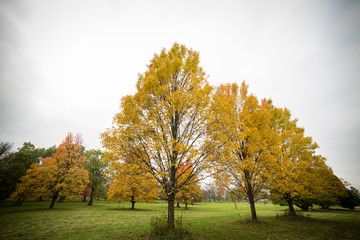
298, 173
165, 121
249, 141
61, 175
131, 182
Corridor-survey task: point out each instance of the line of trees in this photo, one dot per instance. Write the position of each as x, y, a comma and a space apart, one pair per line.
178, 127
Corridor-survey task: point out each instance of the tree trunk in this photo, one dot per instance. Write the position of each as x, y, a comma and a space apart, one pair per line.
53, 200
40, 199
84, 199
178, 204
91, 197
186, 208
61, 200
19, 201
251, 198
291, 206
133, 205
171, 210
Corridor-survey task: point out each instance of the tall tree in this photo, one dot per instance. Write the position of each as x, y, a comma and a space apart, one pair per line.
165, 121
61, 175
97, 172
249, 140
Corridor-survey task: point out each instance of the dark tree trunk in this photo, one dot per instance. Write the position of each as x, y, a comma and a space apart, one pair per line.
61, 199
186, 208
19, 201
40, 199
291, 206
84, 199
171, 210
91, 197
178, 204
251, 197
53, 200
253, 210
133, 205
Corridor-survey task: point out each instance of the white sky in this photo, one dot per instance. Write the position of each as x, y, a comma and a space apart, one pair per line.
64, 65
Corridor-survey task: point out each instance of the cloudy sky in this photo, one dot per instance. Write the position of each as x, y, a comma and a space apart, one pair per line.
64, 65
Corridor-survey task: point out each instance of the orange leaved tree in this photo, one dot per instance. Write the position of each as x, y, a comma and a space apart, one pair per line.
61, 175
191, 191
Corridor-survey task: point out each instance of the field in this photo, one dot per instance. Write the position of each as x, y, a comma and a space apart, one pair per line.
104, 220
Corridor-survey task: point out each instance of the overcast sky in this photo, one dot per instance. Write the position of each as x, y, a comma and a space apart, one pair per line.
64, 65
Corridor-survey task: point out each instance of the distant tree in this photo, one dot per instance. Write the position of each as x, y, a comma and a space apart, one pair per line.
61, 175
131, 182
351, 199
97, 173
5, 149
190, 192
14, 166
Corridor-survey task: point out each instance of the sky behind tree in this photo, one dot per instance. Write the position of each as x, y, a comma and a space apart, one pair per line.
66, 64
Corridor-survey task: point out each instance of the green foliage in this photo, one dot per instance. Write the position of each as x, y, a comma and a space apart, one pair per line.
13, 166
351, 199
97, 173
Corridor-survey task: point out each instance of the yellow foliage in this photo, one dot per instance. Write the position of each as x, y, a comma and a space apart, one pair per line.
132, 183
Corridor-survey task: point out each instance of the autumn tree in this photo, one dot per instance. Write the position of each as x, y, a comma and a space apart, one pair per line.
249, 141
131, 182
56, 176
97, 173
15, 165
190, 192
299, 175
166, 120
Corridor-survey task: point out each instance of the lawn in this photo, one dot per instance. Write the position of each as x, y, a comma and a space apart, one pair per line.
104, 220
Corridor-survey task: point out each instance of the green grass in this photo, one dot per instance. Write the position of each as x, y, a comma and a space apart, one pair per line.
104, 220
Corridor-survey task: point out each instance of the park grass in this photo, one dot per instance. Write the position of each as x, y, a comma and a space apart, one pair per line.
105, 220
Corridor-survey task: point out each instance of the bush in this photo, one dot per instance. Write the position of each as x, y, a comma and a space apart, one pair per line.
160, 229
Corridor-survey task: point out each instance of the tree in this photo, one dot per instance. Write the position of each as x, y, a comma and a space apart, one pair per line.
351, 199
189, 192
14, 166
5, 149
166, 120
97, 172
131, 183
61, 175
249, 141
298, 175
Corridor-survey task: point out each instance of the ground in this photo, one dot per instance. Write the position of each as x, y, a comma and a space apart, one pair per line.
73, 219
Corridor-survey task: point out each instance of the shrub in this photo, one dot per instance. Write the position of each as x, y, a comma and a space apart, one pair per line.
160, 229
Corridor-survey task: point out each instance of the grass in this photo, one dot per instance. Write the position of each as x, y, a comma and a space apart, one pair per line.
104, 220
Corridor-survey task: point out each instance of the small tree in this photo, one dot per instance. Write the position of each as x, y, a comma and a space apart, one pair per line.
131, 183
97, 172
61, 175
189, 192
